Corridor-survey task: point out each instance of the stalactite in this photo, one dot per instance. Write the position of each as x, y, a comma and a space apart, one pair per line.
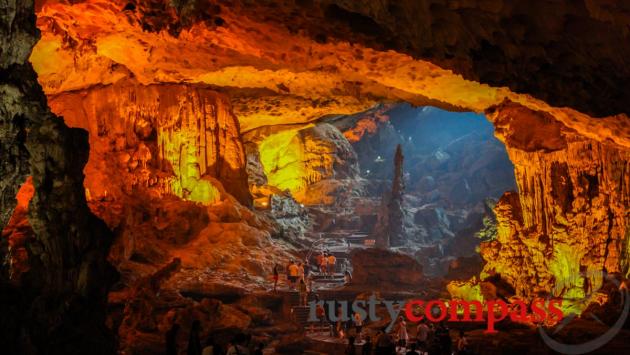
569, 214
190, 131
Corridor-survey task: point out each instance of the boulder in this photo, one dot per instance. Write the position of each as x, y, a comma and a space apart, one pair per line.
384, 267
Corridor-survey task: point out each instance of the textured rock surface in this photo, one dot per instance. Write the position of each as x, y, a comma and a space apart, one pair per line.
379, 267
17, 234
242, 48
315, 163
569, 219
58, 306
168, 137
293, 62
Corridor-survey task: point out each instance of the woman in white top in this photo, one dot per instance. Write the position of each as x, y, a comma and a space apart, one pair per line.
403, 336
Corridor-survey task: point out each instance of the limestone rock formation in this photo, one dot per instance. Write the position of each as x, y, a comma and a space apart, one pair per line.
169, 137
380, 267
315, 163
560, 64
58, 305
567, 223
389, 230
17, 234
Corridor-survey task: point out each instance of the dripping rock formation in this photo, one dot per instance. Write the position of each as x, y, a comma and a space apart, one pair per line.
146, 126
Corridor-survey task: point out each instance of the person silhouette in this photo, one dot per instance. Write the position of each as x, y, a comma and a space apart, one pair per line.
171, 339
194, 344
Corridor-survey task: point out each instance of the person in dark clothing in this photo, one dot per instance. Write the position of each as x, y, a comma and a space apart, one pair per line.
385, 345
194, 344
367, 347
259, 349
443, 338
412, 349
307, 269
276, 276
171, 339
351, 349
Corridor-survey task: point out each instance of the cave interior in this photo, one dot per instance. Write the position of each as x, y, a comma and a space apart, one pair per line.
159, 158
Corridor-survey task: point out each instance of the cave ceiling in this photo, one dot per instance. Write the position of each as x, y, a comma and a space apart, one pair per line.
296, 61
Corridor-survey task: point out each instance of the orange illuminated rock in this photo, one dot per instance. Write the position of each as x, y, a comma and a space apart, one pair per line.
276, 75
167, 137
313, 162
571, 169
18, 232
367, 124
567, 224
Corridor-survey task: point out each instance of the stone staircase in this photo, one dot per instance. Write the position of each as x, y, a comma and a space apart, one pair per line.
299, 314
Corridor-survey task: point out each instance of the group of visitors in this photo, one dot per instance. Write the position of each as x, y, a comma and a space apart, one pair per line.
327, 263
429, 340
241, 344
298, 278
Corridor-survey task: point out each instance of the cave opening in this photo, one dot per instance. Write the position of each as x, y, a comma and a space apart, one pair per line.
455, 170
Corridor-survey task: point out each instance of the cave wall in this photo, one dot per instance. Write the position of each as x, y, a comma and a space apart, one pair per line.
567, 53
571, 55
168, 137
568, 221
58, 306
315, 163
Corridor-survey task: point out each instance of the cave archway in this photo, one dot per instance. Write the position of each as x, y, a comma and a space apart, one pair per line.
571, 169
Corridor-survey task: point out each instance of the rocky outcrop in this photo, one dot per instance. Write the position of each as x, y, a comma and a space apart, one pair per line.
545, 50
315, 163
168, 137
17, 234
568, 222
58, 305
380, 267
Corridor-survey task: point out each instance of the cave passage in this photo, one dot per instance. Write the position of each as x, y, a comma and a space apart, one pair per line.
455, 170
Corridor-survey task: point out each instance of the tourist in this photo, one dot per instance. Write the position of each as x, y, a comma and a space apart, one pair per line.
339, 326
194, 344
422, 334
323, 266
236, 346
358, 324
303, 292
367, 346
288, 272
276, 276
293, 274
209, 348
403, 336
331, 264
307, 269
259, 349
385, 344
347, 278
319, 259
462, 344
351, 349
321, 315
443, 338
300, 271
171, 339
412, 350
